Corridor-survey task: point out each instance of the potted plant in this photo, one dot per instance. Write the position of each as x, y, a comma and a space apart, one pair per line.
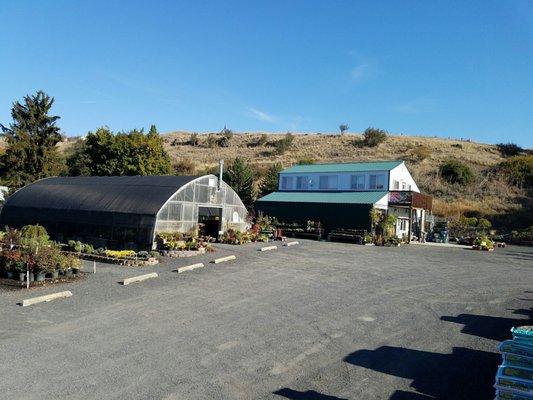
27, 264
20, 270
67, 271
40, 275
11, 258
369, 240
75, 264
483, 243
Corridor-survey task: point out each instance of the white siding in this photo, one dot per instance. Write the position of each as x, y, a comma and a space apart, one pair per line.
402, 175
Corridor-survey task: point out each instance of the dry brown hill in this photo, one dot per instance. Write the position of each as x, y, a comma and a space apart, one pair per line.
488, 195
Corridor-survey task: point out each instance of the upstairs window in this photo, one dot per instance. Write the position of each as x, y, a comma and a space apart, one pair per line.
357, 182
326, 182
377, 181
286, 182
395, 184
302, 182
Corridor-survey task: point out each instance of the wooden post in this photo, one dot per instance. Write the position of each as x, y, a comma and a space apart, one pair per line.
410, 230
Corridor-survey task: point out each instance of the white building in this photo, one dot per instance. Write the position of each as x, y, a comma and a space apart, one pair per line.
341, 196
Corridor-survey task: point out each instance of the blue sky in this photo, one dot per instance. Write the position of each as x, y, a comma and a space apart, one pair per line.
447, 68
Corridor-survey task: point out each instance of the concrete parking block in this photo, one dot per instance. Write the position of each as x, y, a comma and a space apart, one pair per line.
223, 259
46, 298
267, 248
189, 267
139, 278
291, 243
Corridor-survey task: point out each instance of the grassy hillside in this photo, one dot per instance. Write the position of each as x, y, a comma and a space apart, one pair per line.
489, 194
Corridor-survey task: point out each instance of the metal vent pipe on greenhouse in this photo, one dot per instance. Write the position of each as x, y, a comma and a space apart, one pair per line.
125, 211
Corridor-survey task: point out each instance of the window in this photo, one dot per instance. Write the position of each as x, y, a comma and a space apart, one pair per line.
357, 182
404, 186
328, 182
395, 184
286, 182
377, 181
302, 182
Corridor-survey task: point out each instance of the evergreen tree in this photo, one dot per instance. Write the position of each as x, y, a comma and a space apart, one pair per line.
270, 181
31, 142
153, 130
240, 177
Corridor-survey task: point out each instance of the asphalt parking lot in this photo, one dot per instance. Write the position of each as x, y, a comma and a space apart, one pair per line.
314, 321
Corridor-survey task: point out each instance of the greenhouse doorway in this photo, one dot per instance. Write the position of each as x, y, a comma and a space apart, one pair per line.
210, 219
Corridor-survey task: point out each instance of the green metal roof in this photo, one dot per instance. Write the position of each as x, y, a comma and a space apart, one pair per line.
345, 167
326, 197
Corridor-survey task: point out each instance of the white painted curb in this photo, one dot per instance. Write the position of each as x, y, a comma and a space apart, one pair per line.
189, 267
291, 243
223, 259
48, 297
139, 278
266, 248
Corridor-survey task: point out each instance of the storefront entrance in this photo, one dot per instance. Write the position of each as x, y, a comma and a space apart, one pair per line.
210, 219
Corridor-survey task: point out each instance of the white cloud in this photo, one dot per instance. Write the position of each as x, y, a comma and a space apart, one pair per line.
283, 122
415, 106
261, 115
361, 71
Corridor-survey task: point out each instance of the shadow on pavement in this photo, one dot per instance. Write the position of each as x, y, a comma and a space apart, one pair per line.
403, 395
463, 374
307, 395
496, 328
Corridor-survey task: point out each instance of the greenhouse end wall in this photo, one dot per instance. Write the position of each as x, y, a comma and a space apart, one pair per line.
180, 213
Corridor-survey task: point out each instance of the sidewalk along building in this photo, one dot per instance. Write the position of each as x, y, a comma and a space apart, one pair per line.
125, 211
341, 196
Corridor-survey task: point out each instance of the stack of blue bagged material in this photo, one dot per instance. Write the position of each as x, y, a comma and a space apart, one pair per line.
514, 379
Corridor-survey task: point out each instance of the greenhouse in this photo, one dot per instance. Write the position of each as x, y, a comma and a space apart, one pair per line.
125, 211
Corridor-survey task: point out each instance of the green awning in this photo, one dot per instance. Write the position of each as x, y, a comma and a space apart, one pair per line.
370, 197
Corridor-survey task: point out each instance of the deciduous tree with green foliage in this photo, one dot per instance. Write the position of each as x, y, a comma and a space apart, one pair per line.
270, 181
240, 177
31, 142
132, 153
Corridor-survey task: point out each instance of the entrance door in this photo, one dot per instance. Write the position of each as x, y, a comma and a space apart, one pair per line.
210, 219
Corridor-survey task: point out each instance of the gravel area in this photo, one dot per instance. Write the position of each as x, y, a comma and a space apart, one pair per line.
313, 321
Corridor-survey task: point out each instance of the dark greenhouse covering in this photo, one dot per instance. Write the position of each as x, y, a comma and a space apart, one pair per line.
116, 211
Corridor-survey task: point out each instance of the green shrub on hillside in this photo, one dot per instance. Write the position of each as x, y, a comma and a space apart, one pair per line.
227, 134
421, 152
518, 170
509, 149
194, 140
211, 140
285, 144
184, 167
454, 171
306, 161
372, 137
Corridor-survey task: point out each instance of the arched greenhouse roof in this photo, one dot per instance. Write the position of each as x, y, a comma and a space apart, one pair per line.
142, 195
